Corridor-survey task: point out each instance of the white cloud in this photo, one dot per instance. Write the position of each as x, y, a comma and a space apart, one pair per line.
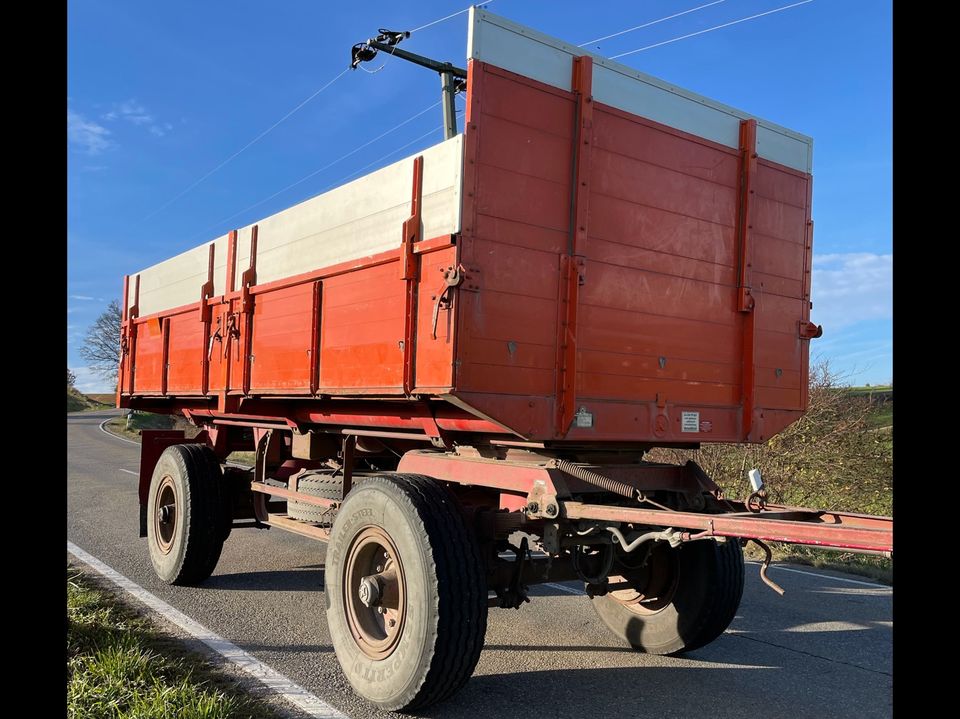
89, 381
86, 135
81, 297
136, 114
852, 287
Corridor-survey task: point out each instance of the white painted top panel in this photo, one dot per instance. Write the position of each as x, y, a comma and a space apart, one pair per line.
177, 281
498, 41
352, 221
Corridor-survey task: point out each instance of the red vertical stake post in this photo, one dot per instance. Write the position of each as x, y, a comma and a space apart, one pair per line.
573, 264
164, 354
248, 280
805, 309
225, 324
206, 315
132, 314
409, 272
745, 299
124, 341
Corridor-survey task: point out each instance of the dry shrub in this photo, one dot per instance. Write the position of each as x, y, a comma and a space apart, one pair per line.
829, 459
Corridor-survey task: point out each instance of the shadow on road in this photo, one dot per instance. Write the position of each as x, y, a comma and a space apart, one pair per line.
305, 580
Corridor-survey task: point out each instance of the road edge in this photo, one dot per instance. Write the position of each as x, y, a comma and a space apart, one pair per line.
308, 703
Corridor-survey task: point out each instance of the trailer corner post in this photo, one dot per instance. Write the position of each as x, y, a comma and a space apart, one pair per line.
745, 301
573, 263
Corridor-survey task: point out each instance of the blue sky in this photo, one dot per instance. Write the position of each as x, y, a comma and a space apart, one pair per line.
160, 94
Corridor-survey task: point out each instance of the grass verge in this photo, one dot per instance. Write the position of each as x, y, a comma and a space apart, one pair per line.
79, 402
129, 428
145, 420
865, 565
119, 666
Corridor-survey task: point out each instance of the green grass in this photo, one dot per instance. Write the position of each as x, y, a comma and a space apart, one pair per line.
881, 417
79, 402
120, 667
145, 420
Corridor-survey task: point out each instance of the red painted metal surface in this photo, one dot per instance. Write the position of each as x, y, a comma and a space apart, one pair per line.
507, 477
410, 274
658, 332
606, 262
849, 531
573, 264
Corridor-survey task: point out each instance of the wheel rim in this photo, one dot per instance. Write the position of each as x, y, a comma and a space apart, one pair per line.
653, 585
375, 590
165, 514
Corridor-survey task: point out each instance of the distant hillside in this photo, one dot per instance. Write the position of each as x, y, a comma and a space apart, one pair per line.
77, 401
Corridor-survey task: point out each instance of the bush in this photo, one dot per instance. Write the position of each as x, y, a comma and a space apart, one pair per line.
829, 459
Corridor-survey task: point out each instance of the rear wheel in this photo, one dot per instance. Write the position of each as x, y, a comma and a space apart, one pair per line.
678, 599
406, 592
187, 517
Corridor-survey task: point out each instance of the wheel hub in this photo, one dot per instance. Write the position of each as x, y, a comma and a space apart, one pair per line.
165, 515
374, 588
369, 591
653, 585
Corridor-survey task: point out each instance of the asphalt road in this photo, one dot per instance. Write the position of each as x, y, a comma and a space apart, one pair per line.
824, 649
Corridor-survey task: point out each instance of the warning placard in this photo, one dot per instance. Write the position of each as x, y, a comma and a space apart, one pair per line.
689, 421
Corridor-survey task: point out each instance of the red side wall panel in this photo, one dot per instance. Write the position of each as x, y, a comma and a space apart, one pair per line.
659, 333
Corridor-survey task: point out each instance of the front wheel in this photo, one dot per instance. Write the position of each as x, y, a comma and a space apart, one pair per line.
405, 591
678, 599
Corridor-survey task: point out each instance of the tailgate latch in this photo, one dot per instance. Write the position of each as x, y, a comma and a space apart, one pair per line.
452, 278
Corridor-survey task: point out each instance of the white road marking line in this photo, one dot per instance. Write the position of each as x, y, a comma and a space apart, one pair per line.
135, 474
297, 695
874, 585
111, 434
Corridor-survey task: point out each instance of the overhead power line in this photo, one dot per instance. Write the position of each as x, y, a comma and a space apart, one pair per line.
325, 167
710, 29
245, 147
353, 174
448, 17
272, 127
652, 22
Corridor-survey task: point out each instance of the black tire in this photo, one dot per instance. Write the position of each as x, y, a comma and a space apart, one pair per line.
445, 607
706, 592
186, 549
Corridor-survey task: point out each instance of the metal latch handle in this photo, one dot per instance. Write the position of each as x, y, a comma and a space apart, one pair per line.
452, 278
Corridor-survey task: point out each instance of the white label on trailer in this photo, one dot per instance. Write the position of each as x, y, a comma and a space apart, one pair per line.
583, 418
689, 421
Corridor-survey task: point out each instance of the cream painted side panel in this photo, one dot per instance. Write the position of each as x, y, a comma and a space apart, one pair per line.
177, 281
358, 219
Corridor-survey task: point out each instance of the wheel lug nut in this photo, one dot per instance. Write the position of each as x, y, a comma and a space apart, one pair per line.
392, 622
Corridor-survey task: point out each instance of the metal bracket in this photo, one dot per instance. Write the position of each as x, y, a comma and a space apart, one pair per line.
809, 330
541, 503
452, 278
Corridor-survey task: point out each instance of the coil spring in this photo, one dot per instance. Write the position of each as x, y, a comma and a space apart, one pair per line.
598, 480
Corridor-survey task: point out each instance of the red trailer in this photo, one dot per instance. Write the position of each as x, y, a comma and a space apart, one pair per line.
467, 354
